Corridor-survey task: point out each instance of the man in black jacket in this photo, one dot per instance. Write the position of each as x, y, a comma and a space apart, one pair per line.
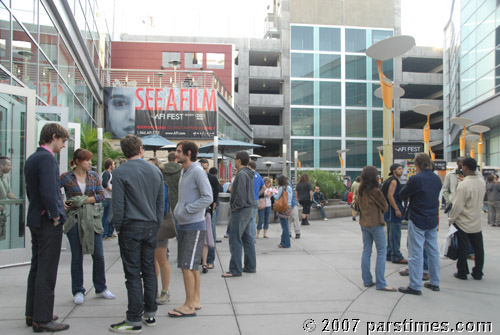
45, 219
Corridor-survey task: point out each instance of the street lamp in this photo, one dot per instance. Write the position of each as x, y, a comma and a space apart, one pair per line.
386, 49
432, 144
340, 152
472, 138
175, 63
480, 129
426, 110
397, 92
268, 164
463, 122
380, 148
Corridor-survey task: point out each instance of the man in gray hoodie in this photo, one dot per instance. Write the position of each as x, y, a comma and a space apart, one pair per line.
240, 235
195, 195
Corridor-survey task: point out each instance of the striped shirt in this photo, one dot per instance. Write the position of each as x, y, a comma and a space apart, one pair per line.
93, 186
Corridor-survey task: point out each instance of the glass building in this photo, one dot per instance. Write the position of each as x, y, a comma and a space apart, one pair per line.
333, 106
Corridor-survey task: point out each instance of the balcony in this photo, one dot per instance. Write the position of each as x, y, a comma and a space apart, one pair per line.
267, 100
265, 72
268, 132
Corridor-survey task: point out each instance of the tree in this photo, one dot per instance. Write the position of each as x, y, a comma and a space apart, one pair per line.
330, 183
88, 140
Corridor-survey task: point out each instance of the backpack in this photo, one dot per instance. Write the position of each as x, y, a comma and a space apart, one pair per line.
385, 187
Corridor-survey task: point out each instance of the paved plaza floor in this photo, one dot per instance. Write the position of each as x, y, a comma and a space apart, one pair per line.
313, 287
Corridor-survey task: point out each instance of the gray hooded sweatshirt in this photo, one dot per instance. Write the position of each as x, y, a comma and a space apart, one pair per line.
242, 195
195, 195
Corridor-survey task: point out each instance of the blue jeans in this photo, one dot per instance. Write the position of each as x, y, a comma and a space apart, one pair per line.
394, 241
321, 211
240, 237
254, 220
98, 276
420, 240
370, 235
137, 241
285, 233
211, 251
107, 225
264, 218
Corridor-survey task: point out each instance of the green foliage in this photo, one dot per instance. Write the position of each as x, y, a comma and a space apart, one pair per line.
88, 140
330, 183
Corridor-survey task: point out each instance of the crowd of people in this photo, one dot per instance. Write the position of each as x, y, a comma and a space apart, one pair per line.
147, 203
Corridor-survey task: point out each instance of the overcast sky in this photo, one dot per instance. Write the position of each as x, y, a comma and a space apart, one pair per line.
423, 19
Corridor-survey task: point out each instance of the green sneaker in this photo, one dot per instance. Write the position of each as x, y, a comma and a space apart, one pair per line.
124, 328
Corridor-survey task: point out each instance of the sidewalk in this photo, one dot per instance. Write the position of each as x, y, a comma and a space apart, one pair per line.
318, 278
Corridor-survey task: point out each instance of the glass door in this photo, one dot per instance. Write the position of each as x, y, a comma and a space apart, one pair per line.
17, 106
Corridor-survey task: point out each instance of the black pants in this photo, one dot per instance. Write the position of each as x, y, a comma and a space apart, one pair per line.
306, 206
476, 240
46, 249
137, 242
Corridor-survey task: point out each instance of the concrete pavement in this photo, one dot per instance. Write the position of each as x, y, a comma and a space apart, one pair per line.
315, 283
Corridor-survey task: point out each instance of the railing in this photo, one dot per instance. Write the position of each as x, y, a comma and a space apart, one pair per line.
166, 79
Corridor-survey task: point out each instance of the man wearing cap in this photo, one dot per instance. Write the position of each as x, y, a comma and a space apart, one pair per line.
393, 216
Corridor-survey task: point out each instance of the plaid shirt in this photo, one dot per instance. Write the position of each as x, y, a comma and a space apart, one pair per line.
93, 186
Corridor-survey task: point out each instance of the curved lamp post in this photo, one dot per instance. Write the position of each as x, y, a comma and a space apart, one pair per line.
480, 129
432, 144
386, 49
426, 110
340, 152
472, 138
397, 92
463, 122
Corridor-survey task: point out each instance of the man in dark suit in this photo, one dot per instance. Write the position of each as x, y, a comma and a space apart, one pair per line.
45, 219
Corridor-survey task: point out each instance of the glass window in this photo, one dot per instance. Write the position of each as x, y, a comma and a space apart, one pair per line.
376, 101
355, 67
302, 92
329, 66
48, 36
329, 39
355, 94
328, 156
379, 35
387, 68
24, 56
167, 58
376, 157
356, 156
306, 151
355, 123
215, 61
355, 40
302, 122
329, 93
4, 38
302, 65
193, 60
302, 38
25, 13
377, 123
330, 122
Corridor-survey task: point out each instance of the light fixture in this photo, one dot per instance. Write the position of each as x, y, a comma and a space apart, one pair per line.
265, 59
264, 85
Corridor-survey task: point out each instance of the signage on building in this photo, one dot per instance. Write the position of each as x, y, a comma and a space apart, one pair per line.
406, 150
440, 165
175, 113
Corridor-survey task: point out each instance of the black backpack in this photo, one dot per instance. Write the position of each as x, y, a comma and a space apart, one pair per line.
385, 187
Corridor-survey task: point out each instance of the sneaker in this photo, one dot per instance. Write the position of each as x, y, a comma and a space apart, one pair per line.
163, 298
106, 294
124, 328
325, 219
79, 298
149, 321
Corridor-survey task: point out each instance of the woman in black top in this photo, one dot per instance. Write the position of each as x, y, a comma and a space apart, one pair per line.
304, 195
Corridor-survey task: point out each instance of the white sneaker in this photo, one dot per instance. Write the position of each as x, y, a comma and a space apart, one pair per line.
106, 294
79, 298
325, 219
163, 298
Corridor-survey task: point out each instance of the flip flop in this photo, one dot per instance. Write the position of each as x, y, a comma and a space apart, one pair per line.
387, 289
197, 308
180, 315
230, 275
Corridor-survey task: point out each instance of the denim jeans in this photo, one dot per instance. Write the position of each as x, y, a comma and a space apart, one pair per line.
240, 237
137, 241
394, 241
264, 218
418, 241
370, 235
107, 225
321, 211
98, 275
211, 251
285, 233
254, 220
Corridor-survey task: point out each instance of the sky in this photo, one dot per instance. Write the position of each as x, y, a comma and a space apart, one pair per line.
422, 19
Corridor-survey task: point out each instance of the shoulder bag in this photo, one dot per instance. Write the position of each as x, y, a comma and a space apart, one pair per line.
281, 205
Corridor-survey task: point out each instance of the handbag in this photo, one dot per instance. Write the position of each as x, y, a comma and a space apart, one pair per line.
355, 206
261, 203
281, 205
452, 252
167, 229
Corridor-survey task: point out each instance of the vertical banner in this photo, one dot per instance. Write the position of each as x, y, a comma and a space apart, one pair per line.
176, 113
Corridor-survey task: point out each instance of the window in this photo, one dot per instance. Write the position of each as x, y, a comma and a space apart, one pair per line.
387, 68
356, 156
168, 58
302, 38
329, 93
302, 65
377, 123
302, 92
302, 122
329, 66
306, 151
355, 67
330, 122
193, 60
328, 156
379, 35
329, 39
355, 123
355, 40
355, 94
215, 61
375, 156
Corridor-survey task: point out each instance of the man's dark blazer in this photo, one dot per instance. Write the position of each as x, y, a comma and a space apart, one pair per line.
43, 188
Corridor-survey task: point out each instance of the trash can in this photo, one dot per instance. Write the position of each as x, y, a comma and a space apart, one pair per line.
224, 209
